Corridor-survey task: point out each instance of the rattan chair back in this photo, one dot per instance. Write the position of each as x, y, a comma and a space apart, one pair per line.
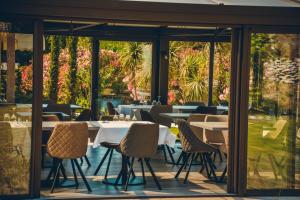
141, 140
146, 116
215, 137
198, 131
189, 141
155, 113
68, 140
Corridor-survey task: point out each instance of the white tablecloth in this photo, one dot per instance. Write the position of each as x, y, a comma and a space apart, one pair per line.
114, 131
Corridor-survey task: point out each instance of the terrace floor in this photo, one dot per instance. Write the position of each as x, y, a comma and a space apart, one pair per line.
198, 183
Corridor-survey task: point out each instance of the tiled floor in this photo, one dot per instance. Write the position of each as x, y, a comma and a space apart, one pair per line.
198, 183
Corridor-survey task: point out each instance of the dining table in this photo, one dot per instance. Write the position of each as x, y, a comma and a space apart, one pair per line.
176, 116
129, 109
72, 106
213, 126
28, 115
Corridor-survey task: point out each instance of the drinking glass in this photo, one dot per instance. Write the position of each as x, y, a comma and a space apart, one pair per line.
127, 118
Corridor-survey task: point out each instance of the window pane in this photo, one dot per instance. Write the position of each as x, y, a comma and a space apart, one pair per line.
15, 110
221, 79
67, 70
188, 72
274, 125
125, 72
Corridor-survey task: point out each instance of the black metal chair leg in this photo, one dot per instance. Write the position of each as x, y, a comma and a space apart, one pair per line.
55, 177
182, 166
87, 160
196, 156
173, 150
189, 168
83, 176
74, 173
170, 154
165, 153
81, 161
210, 163
214, 156
52, 170
63, 171
223, 174
128, 177
108, 164
202, 161
179, 158
152, 173
102, 161
143, 171
118, 178
205, 165
220, 155
132, 172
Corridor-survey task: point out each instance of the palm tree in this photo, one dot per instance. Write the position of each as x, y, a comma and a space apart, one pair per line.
132, 59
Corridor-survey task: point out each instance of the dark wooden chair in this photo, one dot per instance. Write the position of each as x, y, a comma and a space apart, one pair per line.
111, 109
85, 115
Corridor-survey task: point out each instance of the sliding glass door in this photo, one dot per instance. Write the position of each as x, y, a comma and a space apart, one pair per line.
273, 158
16, 53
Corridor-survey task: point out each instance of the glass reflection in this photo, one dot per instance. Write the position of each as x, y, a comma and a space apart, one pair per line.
273, 122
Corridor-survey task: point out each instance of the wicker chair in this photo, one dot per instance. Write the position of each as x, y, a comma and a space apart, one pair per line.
111, 109
155, 113
197, 118
46, 135
68, 141
211, 110
192, 146
196, 130
215, 138
140, 142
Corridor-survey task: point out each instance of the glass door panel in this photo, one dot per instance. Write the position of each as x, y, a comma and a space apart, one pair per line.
273, 121
15, 109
